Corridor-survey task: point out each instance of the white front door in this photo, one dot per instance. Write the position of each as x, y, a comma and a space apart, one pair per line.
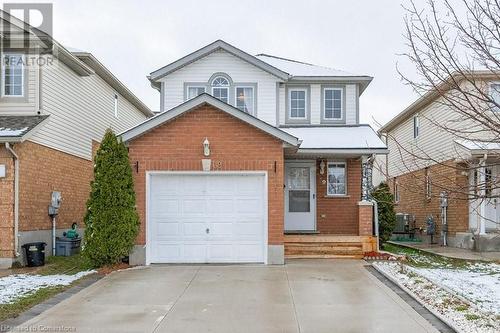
206, 218
300, 196
492, 209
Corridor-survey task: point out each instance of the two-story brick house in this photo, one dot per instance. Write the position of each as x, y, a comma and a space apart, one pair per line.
53, 107
253, 158
435, 150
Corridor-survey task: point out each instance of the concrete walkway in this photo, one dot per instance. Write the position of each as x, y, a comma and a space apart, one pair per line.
302, 296
451, 252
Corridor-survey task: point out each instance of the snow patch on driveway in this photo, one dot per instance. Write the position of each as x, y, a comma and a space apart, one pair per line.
15, 286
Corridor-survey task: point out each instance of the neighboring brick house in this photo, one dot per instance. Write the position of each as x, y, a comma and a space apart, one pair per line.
427, 158
50, 115
252, 159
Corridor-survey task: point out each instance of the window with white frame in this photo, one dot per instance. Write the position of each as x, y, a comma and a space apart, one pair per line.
245, 99
13, 75
220, 88
116, 105
428, 184
396, 191
416, 126
297, 103
332, 103
495, 95
192, 92
336, 184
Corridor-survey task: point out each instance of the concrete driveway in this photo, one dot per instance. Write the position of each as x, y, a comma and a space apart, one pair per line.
302, 296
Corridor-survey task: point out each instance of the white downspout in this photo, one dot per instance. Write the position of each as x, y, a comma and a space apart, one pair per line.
16, 198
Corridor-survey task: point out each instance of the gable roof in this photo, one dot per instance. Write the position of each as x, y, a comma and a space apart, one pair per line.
218, 44
205, 98
431, 95
19, 128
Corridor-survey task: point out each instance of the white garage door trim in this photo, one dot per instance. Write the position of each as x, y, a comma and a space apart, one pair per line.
150, 174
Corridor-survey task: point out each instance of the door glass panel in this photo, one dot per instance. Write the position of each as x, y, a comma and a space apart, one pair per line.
298, 178
299, 201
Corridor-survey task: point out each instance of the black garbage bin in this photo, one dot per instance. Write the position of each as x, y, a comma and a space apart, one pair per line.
35, 253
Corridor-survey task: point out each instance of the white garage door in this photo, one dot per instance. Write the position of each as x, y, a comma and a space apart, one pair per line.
198, 218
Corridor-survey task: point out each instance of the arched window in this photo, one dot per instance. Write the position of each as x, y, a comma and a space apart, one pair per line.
220, 88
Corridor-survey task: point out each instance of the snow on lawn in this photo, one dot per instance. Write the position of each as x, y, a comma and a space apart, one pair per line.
15, 286
468, 301
481, 286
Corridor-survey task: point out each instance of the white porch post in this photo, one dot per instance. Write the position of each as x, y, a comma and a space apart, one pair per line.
482, 194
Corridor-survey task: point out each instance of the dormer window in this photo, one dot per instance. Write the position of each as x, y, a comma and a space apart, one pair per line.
220, 88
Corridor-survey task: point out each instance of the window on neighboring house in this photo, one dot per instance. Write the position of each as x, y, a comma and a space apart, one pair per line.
116, 106
220, 88
332, 103
297, 102
396, 191
192, 92
13, 75
495, 95
488, 182
336, 178
428, 184
416, 126
245, 99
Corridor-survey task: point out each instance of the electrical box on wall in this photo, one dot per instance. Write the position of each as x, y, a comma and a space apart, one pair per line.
2, 170
56, 199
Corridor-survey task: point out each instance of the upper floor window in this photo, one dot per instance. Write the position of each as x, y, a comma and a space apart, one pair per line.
336, 178
495, 95
416, 126
332, 103
115, 106
245, 99
220, 88
192, 92
13, 75
297, 102
397, 195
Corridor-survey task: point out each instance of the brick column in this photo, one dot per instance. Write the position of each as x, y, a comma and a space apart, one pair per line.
365, 218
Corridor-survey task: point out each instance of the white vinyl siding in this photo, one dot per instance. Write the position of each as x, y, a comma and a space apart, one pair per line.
80, 109
238, 70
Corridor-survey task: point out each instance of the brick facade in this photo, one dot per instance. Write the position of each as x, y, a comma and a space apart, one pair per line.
448, 176
234, 145
339, 215
42, 170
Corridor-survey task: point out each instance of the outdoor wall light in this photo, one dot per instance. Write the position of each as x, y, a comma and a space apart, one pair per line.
322, 167
206, 147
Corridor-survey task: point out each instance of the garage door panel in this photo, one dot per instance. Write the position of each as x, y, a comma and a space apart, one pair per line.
231, 206
220, 206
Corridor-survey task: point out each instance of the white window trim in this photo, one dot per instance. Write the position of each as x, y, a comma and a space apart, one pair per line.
115, 105
221, 87
236, 97
341, 103
194, 86
290, 103
345, 179
22, 76
416, 126
490, 90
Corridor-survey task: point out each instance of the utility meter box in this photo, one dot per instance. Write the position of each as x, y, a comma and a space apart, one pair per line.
55, 201
443, 199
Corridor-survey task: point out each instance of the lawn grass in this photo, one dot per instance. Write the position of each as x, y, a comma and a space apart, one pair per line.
422, 259
54, 265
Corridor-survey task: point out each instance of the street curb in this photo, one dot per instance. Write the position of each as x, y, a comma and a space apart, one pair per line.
412, 295
9, 324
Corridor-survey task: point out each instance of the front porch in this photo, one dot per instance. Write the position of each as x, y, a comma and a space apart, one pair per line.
328, 246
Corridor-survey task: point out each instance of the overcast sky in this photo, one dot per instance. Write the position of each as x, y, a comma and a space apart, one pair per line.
134, 38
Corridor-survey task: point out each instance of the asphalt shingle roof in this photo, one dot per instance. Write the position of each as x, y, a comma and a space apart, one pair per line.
18, 126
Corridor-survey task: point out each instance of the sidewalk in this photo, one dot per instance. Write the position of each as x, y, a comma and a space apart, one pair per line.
451, 252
